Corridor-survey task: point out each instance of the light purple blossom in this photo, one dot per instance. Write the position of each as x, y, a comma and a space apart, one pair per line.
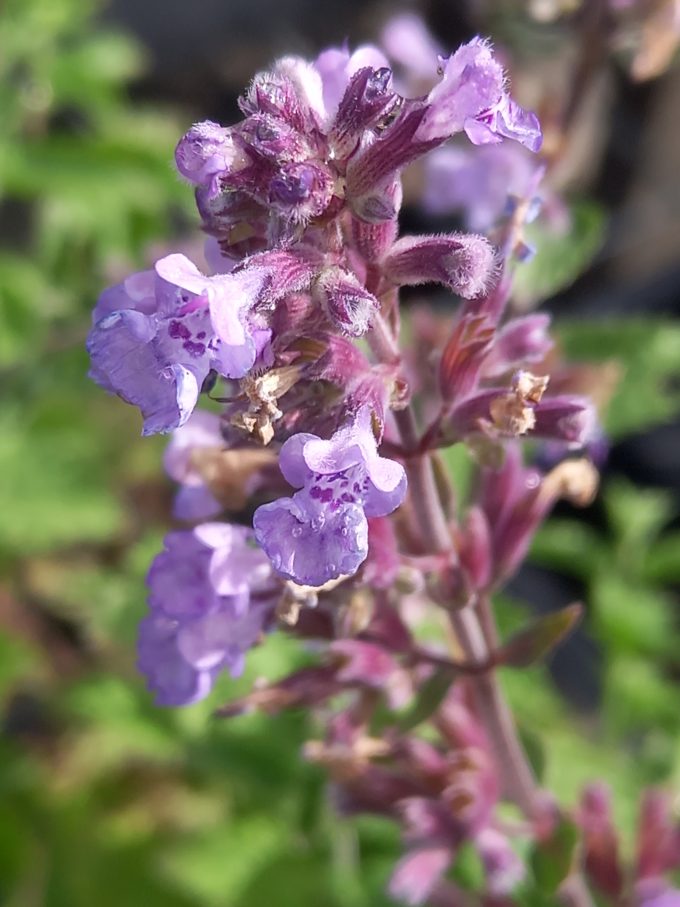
210, 592
322, 532
194, 500
408, 42
157, 336
471, 97
476, 181
336, 66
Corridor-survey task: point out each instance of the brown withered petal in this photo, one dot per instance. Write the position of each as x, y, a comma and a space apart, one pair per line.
227, 473
575, 480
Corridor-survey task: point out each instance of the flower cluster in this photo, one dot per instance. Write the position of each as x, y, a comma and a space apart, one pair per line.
294, 328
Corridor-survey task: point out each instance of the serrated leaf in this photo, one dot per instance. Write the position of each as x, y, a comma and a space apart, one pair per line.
535, 641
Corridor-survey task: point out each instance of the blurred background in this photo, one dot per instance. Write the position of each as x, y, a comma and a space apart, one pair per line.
105, 799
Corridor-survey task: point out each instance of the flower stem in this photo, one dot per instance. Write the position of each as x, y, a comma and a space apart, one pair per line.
472, 628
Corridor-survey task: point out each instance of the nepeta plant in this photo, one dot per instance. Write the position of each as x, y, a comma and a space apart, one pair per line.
329, 437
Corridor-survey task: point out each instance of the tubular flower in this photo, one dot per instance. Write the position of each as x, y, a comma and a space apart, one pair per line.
210, 592
321, 532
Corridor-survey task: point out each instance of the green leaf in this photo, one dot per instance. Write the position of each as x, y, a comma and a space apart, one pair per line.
569, 547
552, 860
535, 641
636, 516
630, 618
559, 258
218, 866
662, 560
649, 353
428, 699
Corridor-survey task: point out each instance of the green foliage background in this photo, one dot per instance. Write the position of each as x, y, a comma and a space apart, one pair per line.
103, 798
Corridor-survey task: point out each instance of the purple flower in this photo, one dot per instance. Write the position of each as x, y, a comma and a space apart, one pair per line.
210, 591
322, 532
417, 873
194, 500
472, 97
408, 42
157, 335
477, 180
336, 66
656, 893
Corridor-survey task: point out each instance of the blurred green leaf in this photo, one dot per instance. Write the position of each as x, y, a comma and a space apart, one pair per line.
662, 560
649, 353
630, 618
552, 860
559, 258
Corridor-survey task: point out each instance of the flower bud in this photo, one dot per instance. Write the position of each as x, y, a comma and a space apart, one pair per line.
521, 342
464, 263
206, 151
347, 303
565, 418
384, 157
368, 99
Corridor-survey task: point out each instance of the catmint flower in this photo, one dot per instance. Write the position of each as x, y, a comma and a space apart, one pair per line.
210, 592
322, 532
157, 336
471, 96
201, 432
476, 181
408, 42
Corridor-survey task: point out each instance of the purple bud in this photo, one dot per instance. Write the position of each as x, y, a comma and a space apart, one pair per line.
272, 138
503, 867
368, 99
205, 152
417, 873
463, 262
373, 239
522, 341
346, 301
474, 548
463, 356
601, 848
301, 190
565, 418
292, 91
385, 156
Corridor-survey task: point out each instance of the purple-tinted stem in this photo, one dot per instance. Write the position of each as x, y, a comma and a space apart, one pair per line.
517, 776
